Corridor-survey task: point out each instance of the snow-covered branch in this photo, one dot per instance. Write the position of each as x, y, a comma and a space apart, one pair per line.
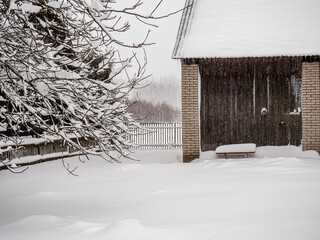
60, 63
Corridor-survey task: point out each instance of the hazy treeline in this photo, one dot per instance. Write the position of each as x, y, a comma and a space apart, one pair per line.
159, 101
144, 111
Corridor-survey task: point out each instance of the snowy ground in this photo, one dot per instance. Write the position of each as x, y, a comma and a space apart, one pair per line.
273, 195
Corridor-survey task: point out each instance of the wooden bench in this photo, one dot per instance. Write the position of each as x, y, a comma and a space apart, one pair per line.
244, 148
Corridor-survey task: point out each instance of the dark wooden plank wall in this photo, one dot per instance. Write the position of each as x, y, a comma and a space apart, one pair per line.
234, 92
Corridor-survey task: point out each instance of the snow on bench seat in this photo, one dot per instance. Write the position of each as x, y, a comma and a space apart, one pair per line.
244, 148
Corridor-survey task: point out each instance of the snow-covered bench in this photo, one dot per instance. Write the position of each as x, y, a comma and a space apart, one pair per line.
244, 148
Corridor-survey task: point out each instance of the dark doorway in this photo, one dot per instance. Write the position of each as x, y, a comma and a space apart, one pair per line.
255, 100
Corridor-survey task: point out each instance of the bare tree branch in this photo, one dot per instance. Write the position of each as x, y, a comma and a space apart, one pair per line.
62, 74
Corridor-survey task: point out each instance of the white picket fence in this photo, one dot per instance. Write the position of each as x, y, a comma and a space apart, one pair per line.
157, 135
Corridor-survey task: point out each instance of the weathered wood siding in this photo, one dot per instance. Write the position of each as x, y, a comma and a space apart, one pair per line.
234, 93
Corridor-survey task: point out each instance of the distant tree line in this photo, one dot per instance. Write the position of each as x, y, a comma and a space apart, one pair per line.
161, 89
145, 111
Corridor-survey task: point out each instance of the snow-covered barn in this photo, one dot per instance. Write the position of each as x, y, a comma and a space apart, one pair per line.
250, 73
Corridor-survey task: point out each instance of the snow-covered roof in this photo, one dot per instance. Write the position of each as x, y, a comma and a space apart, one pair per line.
249, 28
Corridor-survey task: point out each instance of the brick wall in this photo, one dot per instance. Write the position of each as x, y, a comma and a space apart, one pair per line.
311, 106
190, 112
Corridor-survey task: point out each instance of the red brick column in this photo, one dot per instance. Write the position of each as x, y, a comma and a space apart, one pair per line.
311, 106
190, 111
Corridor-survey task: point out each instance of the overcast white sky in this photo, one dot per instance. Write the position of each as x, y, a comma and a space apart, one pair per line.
159, 55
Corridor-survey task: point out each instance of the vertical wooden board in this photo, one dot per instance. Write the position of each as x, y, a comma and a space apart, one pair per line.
46, 148
280, 103
229, 99
220, 84
214, 85
210, 106
227, 104
257, 104
240, 101
213, 104
260, 92
237, 101
250, 76
247, 98
275, 100
203, 107
205, 110
268, 127
296, 85
268, 116
299, 120
272, 102
233, 103
232, 96
221, 102
291, 97
265, 117
217, 92
28, 150
286, 100
252, 90
247, 101
281, 78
